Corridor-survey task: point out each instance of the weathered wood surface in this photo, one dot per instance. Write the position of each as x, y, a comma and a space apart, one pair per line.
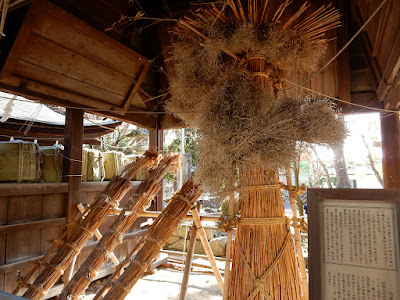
33, 214
382, 40
390, 130
59, 58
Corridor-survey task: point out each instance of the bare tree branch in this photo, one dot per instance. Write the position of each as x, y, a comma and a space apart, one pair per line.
371, 161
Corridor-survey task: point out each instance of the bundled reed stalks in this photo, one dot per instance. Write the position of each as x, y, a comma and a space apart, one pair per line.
78, 234
159, 232
297, 238
146, 191
229, 70
264, 264
230, 65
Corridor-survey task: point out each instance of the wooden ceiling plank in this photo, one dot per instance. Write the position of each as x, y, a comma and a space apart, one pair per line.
383, 18
366, 47
391, 71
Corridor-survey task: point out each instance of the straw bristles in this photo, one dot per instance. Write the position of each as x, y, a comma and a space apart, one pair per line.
146, 191
159, 232
229, 67
83, 230
262, 243
239, 123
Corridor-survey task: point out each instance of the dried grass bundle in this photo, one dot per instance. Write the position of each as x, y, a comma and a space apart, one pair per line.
159, 232
228, 67
84, 229
146, 191
241, 124
256, 265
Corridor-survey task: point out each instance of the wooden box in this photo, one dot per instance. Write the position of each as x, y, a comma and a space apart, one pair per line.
51, 55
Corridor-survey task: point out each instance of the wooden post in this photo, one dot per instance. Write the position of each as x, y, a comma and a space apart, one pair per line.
228, 254
297, 240
72, 164
343, 68
188, 262
72, 169
156, 142
207, 248
390, 130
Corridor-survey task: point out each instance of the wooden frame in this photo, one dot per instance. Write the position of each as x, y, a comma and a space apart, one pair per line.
315, 199
60, 59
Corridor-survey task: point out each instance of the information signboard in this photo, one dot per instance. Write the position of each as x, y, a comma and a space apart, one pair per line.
354, 244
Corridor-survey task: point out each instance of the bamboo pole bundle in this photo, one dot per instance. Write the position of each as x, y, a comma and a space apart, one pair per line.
159, 233
78, 234
297, 237
264, 263
146, 191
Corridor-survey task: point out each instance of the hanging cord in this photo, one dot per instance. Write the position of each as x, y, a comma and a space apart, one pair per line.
340, 100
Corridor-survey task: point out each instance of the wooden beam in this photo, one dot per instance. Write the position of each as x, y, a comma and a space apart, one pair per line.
72, 164
343, 68
32, 225
366, 46
388, 81
7, 268
155, 214
144, 119
171, 122
368, 99
156, 142
140, 119
25, 189
390, 130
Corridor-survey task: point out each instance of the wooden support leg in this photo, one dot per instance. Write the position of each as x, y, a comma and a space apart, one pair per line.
188, 263
228, 254
297, 240
70, 271
207, 248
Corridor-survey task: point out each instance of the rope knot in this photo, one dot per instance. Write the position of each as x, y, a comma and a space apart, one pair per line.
226, 224
260, 283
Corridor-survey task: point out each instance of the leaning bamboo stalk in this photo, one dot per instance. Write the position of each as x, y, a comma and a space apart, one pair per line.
98, 236
144, 194
229, 241
297, 239
206, 247
83, 229
161, 230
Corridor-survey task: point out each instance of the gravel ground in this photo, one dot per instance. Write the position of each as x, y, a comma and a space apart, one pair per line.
165, 284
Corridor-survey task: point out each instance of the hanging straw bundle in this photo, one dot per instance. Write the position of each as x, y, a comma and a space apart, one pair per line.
230, 65
146, 191
159, 233
78, 234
